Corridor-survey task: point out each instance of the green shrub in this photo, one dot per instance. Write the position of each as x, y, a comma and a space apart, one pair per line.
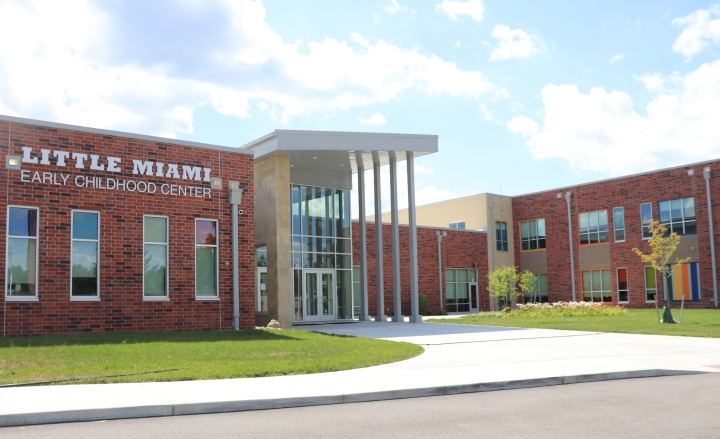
422, 304
564, 309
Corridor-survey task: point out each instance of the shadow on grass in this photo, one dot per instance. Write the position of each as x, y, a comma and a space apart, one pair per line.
147, 337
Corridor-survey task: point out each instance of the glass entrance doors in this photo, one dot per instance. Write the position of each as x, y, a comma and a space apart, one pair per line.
319, 294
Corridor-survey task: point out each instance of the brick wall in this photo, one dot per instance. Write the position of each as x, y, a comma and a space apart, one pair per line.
629, 193
460, 249
121, 307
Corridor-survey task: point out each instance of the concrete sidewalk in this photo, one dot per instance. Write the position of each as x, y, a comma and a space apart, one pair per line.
457, 359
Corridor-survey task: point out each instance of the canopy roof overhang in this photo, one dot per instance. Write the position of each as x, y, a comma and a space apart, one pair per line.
329, 158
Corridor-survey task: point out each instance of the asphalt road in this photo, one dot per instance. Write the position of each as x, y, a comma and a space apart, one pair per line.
681, 406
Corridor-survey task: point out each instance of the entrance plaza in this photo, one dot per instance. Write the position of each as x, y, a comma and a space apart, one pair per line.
457, 359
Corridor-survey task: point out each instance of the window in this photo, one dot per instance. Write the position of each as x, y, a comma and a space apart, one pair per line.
678, 215
155, 251
22, 253
459, 225
357, 291
206, 267
457, 287
540, 295
593, 227
596, 286
501, 237
684, 282
532, 234
650, 284
622, 285
645, 217
261, 281
84, 282
619, 224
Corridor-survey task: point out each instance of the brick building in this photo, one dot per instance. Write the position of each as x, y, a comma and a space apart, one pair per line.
110, 231
604, 221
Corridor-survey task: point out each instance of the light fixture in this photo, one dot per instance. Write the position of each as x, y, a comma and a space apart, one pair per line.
292, 166
12, 162
707, 168
342, 165
216, 183
314, 158
691, 172
559, 195
235, 192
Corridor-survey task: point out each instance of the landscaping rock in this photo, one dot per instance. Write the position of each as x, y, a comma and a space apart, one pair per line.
274, 324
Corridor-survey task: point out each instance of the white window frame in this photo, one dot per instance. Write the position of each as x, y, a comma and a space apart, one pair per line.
642, 232
456, 224
166, 297
646, 287
36, 297
217, 259
258, 291
615, 228
72, 228
617, 281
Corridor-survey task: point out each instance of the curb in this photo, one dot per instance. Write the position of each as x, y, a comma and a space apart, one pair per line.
84, 415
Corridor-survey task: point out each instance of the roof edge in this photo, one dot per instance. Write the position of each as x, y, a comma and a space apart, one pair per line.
62, 126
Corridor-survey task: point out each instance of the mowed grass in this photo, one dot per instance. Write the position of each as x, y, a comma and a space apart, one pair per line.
175, 356
696, 322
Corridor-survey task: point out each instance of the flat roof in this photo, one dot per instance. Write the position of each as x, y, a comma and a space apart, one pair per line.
62, 126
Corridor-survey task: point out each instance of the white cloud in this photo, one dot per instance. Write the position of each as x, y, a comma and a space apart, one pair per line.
419, 169
523, 125
394, 6
487, 114
601, 131
652, 82
376, 18
454, 9
89, 62
515, 44
616, 58
699, 29
457, 43
375, 119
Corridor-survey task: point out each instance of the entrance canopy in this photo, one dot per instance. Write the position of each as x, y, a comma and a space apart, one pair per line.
329, 158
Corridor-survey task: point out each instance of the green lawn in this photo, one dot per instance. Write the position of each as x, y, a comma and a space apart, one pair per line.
188, 355
696, 322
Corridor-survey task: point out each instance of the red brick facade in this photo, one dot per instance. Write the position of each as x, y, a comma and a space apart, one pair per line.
460, 249
121, 306
629, 193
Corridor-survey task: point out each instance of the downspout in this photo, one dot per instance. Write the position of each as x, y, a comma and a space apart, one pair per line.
235, 198
706, 174
491, 229
570, 235
439, 237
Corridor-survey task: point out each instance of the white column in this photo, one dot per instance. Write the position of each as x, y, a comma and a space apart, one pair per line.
397, 297
364, 315
415, 316
379, 274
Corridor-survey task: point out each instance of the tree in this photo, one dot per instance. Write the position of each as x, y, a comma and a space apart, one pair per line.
662, 248
528, 284
501, 284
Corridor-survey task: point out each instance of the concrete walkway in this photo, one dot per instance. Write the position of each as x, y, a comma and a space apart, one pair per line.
457, 359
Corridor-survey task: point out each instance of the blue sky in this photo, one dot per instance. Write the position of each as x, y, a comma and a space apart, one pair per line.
535, 95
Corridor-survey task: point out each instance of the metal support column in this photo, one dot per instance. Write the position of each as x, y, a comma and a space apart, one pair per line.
415, 316
397, 297
379, 272
711, 226
572, 253
364, 314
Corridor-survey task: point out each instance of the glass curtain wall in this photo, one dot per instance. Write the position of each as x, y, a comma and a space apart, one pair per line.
321, 238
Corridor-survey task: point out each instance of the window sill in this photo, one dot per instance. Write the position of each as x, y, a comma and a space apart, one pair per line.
84, 299
207, 298
261, 313
619, 242
533, 250
21, 299
156, 299
594, 243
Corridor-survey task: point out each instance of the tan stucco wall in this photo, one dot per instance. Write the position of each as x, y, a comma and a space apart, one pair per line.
272, 228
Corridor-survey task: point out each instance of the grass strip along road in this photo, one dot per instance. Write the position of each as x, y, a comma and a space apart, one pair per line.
696, 322
177, 356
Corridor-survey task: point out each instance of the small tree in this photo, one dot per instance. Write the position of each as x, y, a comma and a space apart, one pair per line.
501, 284
528, 284
662, 248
